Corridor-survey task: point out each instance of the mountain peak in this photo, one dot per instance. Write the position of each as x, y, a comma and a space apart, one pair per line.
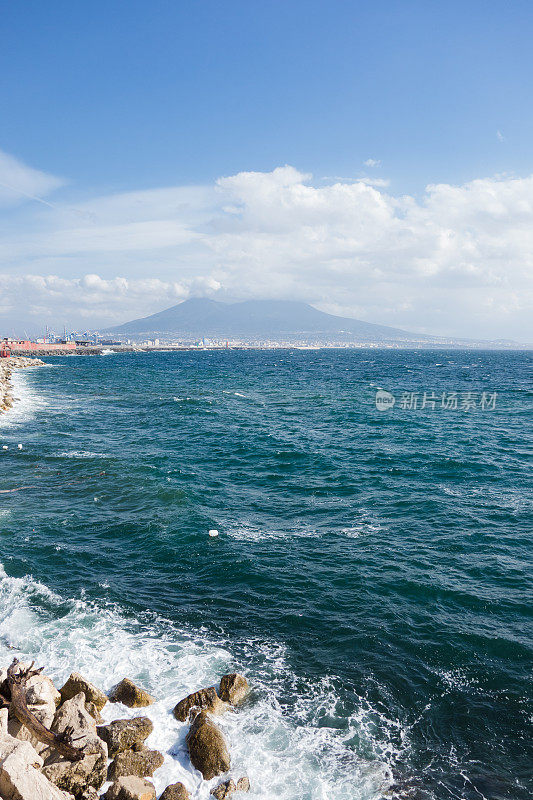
251, 319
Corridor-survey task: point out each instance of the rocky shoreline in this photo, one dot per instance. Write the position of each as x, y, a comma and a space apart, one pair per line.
54, 745
7, 365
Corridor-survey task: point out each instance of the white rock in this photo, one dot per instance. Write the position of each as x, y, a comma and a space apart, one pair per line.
40, 691
20, 778
3, 723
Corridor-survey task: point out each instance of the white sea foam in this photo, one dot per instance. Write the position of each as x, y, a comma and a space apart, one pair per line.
287, 753
82, 454
27, 402
249, 532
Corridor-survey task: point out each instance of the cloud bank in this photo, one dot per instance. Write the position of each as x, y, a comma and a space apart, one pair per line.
458, 260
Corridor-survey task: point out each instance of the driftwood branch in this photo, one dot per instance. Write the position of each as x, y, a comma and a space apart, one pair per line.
17, 686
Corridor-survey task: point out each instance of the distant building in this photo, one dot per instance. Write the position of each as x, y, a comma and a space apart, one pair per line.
23, 345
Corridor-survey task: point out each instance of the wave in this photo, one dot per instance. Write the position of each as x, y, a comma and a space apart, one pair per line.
285, 749
82, 454
27, 402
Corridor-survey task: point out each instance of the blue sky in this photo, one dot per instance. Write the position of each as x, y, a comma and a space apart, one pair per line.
113, 100
132, 94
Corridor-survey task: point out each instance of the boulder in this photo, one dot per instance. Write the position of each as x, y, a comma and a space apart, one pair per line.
227, 788
90, 794
207, 746
203, 700
130, 788
130, 695
224, 790
76, 684
91, 770
42, 699
95, 714
233, 688
125, 734
40, 691
73, 714
20, 776
176, 791
142, 763
77, 776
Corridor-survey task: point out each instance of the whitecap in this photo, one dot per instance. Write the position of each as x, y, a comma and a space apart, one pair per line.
82, 454
286, 752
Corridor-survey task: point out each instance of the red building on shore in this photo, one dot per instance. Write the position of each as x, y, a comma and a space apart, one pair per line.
14, 346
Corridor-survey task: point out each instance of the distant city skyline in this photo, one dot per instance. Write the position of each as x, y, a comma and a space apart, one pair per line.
372, 160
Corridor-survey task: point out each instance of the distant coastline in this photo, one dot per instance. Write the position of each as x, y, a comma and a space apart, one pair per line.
96, 350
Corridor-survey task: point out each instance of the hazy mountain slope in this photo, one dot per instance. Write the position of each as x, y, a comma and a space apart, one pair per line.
271, 318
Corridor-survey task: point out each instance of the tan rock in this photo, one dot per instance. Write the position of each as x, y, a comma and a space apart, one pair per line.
142, 763
130, 788
233, 688
73, 714
203, 700
90, 794
207, 746
124, 734
77, 776
76, 684
130, 695
227, 788
95, 714
91, 770
224, 790
20, 776
176, 791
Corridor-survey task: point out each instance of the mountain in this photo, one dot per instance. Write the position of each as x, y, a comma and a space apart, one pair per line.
258, 319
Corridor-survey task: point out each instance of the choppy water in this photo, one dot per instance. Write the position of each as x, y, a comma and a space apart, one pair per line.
372, 575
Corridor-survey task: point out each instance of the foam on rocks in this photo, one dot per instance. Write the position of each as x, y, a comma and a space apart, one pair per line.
7, 365
52, 749
277, 754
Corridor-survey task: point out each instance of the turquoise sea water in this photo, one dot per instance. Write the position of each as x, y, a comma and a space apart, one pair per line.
372, 573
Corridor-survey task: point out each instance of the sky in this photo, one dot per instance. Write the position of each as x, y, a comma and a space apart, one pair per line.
373, 159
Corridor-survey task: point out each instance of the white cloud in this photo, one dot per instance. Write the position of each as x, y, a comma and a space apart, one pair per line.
19, 182
500, 137
372, 162
457, 260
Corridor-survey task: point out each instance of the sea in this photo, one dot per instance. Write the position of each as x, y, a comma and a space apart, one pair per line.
371, 576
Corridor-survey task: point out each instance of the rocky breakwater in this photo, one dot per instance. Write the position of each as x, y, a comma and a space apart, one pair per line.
7, 365
52, 747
